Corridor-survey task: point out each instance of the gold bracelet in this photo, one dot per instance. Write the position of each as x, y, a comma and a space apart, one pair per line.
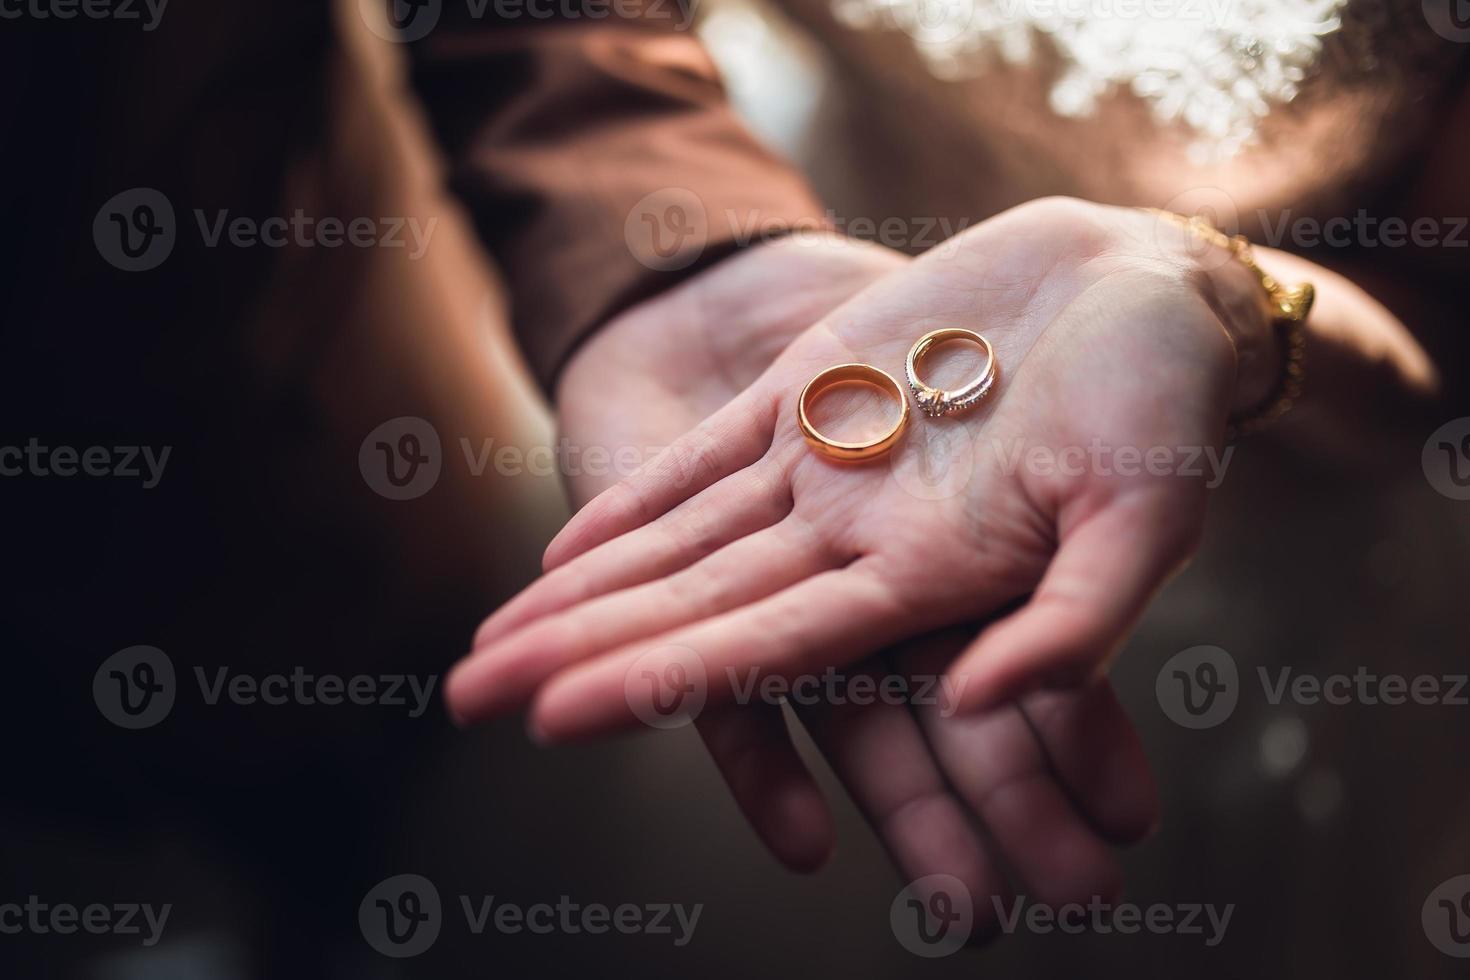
1290, 305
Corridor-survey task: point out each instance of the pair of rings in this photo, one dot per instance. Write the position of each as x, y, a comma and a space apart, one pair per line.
933, 402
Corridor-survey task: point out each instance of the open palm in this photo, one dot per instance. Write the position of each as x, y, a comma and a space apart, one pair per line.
1053, 778
740, 549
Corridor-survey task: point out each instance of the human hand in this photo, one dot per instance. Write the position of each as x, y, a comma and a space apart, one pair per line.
741, 545
1054, 779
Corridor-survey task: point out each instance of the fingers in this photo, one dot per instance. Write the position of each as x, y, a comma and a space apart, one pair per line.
772, 786
880, 755
836, 616
503, 675
1104, 574
739, 505
994, 764
1098, 758
725, 443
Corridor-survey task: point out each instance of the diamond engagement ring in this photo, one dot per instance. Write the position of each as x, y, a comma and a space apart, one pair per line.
935, 402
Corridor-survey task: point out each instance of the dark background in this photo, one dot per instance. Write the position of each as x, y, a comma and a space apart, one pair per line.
263, 548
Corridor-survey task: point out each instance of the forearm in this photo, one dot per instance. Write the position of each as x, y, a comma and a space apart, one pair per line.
600, 160
1367, 375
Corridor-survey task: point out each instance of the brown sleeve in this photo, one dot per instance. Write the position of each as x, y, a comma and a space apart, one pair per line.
599, 157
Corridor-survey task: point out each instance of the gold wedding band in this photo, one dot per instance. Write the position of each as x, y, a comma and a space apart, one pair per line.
851, 374
937, 401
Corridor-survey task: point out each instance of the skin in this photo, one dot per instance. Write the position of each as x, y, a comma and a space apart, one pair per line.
742, 545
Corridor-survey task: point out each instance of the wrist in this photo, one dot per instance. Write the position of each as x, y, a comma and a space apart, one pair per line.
728, 322
744, 309
1245, 312
1232, 287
